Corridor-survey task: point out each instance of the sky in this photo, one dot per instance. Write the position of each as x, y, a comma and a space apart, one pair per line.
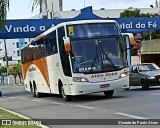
21, 9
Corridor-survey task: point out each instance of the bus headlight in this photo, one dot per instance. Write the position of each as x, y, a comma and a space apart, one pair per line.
80, 79
151, 77
124, 74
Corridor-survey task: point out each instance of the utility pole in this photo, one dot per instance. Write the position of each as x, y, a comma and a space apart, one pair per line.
6, 58
150, 35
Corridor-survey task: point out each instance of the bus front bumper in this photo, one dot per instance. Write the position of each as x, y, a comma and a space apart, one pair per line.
80, 88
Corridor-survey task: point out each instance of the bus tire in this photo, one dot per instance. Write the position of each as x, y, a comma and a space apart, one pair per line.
0, 93
37, 94
64, 96
109, 93
32, 90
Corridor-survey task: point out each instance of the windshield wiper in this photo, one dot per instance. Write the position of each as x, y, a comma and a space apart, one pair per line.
107, 57
94, 59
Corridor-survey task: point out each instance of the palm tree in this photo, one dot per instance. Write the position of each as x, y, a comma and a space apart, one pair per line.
4, 8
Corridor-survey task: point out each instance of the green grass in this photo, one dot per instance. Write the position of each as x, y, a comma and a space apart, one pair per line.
9, 116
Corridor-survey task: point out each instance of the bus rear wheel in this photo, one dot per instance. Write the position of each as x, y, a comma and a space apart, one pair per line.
35, 91
32, 90
0, 93
109, 93
64, 96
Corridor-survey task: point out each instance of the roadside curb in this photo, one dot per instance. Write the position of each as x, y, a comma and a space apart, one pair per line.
22, 116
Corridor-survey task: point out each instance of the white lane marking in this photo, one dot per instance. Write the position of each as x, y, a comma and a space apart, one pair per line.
58, 103
131, 116
82, 106
16, 98
156, 94
50, 102
23, 98
37, 100
106, 109
12, 97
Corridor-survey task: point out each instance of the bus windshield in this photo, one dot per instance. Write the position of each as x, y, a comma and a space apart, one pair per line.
98, 55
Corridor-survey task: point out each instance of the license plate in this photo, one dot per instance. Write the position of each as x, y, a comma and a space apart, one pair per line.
104, 86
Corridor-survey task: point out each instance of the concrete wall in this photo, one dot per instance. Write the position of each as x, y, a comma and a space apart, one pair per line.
150, 47
135, 60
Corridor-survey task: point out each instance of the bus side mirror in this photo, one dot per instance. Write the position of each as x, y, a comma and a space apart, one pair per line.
67, 44
131, 37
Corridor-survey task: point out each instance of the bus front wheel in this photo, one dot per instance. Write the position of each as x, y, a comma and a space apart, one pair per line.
109, 93
64, 96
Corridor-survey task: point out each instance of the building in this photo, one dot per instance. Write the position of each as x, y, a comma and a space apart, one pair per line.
13, 51
54, 9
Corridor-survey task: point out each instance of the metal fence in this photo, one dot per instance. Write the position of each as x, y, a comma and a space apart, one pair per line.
10, 80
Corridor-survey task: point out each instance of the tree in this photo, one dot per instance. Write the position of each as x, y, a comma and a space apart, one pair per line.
16, 70
137, 13
130, 13
19, 69
12, 71
2, 71
4, 8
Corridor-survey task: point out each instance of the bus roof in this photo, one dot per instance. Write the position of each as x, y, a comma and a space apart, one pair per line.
69, 23
77, 22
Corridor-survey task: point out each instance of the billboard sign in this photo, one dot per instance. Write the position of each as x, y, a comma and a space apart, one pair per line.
30, 28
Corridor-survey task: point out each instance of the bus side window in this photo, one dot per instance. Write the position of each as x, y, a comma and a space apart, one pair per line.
46, 44
22, 55
54, 47
50, 43
31, 53
25, 54
36, 53
39, 48
42, 50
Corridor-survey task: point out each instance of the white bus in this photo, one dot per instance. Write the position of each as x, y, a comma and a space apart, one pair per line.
76, 58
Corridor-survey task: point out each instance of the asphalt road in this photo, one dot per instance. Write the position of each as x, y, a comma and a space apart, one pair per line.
132, 104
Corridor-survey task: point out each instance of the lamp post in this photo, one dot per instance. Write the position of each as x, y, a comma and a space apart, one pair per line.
6, 58
150, 35
84, 3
